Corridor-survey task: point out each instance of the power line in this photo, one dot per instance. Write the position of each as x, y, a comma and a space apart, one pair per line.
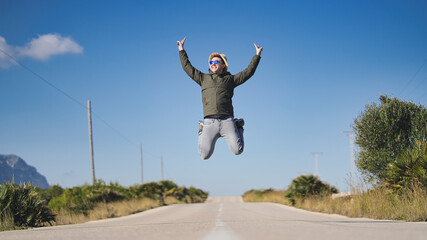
83, 106
413, 77
68, 96
44, 80
418, 86
117, 131
425, 94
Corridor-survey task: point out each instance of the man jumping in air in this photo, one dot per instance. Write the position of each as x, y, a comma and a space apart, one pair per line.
217, 93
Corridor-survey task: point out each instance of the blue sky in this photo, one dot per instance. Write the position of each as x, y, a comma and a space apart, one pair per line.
323, 61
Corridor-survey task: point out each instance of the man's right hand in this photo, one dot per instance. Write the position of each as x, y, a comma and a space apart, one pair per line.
181, 44
258, 49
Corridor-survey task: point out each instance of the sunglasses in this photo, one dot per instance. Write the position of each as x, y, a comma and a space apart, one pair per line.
212, 62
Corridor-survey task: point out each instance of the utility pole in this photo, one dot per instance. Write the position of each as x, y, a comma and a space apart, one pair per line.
161, 168
316, 162
140, 154
91, 142
351, 136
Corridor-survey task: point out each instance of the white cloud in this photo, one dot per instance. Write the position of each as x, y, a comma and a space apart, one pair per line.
48, 45
6, 61
41, 48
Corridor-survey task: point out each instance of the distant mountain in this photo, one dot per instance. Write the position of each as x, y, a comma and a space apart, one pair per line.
16, 167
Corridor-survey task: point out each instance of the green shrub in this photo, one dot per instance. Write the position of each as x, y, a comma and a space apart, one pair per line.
307, 185
21, 206
74, 200
83, 199
28, 206
149, 190
52, 192
197, 195
259, 193
410, 167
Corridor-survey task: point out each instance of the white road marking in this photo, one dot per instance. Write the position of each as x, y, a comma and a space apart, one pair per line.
220, 231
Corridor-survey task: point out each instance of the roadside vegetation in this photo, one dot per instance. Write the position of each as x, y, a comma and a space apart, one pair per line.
407, 204
23, 206
266, 195
392, 138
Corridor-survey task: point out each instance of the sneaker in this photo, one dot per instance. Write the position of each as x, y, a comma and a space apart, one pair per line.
200, 126
239, 122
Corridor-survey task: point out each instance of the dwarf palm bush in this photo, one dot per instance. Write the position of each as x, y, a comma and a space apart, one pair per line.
410, 168
308, 185
22, 206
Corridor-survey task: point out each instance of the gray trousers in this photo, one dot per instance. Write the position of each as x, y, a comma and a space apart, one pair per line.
216, 128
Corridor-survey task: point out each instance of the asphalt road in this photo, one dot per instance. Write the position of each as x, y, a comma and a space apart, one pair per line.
228, 218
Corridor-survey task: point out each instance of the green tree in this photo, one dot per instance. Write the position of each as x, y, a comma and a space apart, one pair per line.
384, 131
308, 185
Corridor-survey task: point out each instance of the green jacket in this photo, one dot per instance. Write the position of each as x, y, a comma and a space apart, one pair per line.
218, 89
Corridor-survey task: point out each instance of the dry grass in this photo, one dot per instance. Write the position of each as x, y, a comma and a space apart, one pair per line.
110, 210
381, 203
276, 196
409, 205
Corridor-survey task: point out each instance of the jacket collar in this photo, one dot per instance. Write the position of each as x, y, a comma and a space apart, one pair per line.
221, 74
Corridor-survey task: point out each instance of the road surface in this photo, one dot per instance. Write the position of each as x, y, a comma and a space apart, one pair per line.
228, 218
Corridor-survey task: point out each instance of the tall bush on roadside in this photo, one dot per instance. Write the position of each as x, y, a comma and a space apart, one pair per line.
197, 195
21, 205
384, 131
308, 185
